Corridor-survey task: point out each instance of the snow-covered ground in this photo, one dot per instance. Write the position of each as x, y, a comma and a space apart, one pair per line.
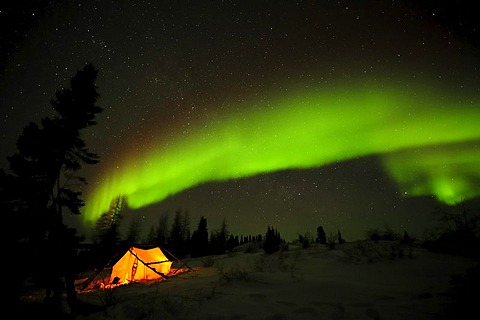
359, 280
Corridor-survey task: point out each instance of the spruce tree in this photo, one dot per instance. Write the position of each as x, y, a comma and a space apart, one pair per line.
179, 233
340, 239
200, 245
161, 230
321, 236
44, 167
218, 239
272, 241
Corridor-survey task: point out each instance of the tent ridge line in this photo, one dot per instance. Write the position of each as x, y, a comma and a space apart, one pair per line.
147, 265
157, 262
178, 260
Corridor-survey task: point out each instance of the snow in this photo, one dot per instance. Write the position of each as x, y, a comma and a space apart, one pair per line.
360, 280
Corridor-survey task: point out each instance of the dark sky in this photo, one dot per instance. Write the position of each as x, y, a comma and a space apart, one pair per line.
179, 80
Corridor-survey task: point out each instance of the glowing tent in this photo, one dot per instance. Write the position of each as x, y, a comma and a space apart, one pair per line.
140, 264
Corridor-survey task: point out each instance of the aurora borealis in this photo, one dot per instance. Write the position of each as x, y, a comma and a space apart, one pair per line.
346, 114
305, 131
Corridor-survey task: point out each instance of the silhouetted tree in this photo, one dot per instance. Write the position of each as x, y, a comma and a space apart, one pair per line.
186, 232
161, 231
150, 239
133, 233
272, 241
340, 239
305, 240
45, 163
462, 223
459, 232
107, 233
332, 240
321, 236
199, 243
232, 242
218, 239
178, 238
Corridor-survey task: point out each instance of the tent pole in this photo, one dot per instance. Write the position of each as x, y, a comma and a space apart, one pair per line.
146, 264
183, 263
97, 272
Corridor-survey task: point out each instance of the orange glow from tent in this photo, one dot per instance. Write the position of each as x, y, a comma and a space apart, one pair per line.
140, 265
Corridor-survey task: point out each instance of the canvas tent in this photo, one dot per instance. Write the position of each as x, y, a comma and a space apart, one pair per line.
140, 264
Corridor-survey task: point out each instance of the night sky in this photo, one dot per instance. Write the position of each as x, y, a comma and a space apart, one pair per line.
347, 114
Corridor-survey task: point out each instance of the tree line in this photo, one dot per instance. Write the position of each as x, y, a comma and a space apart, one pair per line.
173, 235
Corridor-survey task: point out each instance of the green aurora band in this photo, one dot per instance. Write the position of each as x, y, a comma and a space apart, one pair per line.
428, 142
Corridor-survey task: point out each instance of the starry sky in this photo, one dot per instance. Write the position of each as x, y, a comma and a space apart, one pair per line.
347, 114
